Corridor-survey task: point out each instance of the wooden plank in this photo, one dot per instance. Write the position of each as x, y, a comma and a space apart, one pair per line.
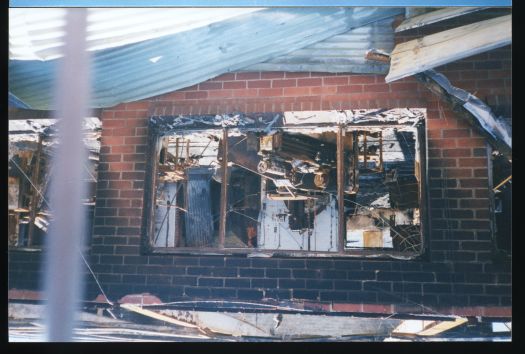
435, 16
425, 53
372, 238
155, 315
442, 327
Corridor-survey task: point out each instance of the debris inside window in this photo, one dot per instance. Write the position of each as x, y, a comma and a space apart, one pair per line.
271, 183
31, 147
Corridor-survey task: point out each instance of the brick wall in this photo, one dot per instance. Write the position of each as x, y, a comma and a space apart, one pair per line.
458, 274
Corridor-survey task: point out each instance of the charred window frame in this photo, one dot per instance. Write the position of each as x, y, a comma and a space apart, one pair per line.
500, 182
32, 145
293, 164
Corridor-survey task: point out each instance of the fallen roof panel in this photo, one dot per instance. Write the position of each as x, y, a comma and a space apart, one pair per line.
435, 16
428, 52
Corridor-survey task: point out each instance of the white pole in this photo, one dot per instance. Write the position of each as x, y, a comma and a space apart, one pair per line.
63, 279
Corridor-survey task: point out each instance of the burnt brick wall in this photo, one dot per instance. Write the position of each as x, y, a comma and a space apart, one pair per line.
458, 272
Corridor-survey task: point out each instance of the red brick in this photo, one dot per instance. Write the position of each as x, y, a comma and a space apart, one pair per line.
130, 212
122, 149
112, 140
377, 308
474, 182
441, 143
245, 93
271, 92
234, 85
345, 307
472, 162
297, 75
404, 86
471, 142
336, 80
225, 77
177, 95
135, 140
120, 185
111, 158
106, 114
323, 90
309, 82
118, 203
196, 95
121, 166
284, 83
456, 133
137, 106
122, 132
350, 89
131, 193
481, 172
272, 75
112, 123
134, 157
363, 79
497, 311
210, 85
260, 84
220, 94
457, 152
468, 311
473, 203
458, 173
377, 88
296, 91
247, 76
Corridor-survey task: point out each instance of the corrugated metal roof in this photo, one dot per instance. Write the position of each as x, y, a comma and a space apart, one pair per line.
38, 34
160, 65
437, 49
340, 53
14, 101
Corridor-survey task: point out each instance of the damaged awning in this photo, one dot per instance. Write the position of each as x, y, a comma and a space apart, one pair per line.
495, 129
441, 48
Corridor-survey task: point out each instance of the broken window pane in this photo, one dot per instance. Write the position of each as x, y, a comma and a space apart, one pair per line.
32, 145
382, 194
187, 190
282, 190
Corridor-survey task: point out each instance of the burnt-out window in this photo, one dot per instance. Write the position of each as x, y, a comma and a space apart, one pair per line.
293, 183
502, 204
32, 144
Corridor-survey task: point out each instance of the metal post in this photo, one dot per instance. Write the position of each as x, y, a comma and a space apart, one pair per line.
341, 224
63, 274
224, 188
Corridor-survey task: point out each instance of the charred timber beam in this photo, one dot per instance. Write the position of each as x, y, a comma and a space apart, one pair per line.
34, 192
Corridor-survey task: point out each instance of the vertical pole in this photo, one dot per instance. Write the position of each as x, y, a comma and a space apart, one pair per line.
341, 223
34, 193
224, 188
63, 281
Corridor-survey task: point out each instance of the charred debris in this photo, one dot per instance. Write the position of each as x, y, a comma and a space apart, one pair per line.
283, 181
31, 148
